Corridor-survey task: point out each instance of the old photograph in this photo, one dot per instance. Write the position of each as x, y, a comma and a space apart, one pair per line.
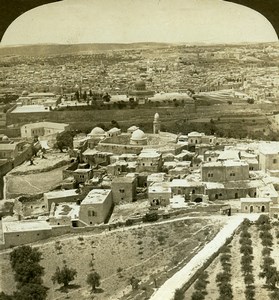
139, 150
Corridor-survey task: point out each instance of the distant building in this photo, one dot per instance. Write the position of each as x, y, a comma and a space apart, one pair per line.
42, 129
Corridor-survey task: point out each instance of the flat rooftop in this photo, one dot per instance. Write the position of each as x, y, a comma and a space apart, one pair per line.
256, 200
21, 226
62, 193
122, 179
30, 109
184, 183
159, 187
82, 170
226, 163
96, 196
67, 209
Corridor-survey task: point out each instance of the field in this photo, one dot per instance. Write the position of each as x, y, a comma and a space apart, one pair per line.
150, 252
173, 119
245, 284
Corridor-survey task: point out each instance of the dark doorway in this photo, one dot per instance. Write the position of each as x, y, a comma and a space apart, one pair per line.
263, 208
251, 209
198, 200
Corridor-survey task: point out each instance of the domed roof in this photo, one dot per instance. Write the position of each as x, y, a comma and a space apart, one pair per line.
97, 130
5, 138
24, 93
138, 135
140, 85
156, 116
132, 128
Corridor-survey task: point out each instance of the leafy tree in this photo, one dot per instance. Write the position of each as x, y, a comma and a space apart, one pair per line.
31, 291
245, 241
25, 254
267, 242
225, 289
134, 282
274, 295
225, 258
4, 296
106, 97
178, 295
263, 219
249, 279
247, 269
197, 295
64, 276
250, 292
246, 249
28, 273
93, 279
223, 277
25, 263
245, 234
246, 260
64, 140
266, 251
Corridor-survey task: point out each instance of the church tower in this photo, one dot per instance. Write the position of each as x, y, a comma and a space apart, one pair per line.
156, 124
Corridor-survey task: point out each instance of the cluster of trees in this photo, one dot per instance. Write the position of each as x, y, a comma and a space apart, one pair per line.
223, 279
246, 260
200, 287
268, 272
28, 272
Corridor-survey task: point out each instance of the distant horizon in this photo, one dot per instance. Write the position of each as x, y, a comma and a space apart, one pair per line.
71, 22
130, 43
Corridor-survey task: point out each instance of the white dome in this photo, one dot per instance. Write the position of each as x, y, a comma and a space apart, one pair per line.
5, 138
156, 116
138, 135
132, 128
97, 131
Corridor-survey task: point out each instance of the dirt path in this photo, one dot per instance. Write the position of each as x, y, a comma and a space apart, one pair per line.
167, 290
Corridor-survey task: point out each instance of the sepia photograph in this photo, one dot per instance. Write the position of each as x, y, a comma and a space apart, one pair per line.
139, 150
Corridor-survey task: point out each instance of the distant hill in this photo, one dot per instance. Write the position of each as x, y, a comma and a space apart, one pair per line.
57, 49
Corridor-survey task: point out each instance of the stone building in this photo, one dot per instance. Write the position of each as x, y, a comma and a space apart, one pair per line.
191, 190
222, 171
150, 161
42, 129
255, 205
159, 193
96, 206
124, 189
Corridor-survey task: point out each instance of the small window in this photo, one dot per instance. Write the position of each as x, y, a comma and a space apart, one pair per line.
193, 191
274, 160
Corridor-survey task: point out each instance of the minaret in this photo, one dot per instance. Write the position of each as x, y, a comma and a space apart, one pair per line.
156, 124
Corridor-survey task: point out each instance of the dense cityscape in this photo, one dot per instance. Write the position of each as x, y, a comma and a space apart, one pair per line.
139, 171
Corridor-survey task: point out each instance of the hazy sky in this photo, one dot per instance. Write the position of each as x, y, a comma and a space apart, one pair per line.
125, 21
